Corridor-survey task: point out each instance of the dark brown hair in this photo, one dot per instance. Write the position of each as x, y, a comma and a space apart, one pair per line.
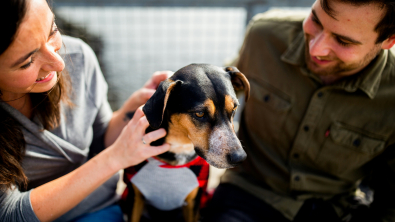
46, 106
385, 28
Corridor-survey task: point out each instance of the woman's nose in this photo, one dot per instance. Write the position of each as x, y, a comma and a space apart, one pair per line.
52, 59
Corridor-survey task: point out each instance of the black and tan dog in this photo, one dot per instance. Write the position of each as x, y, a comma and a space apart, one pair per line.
196, 106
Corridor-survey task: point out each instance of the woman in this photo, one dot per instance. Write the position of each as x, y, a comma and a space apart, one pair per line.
47, 129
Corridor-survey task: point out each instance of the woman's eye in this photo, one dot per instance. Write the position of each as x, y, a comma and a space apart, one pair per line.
28, 64
199, 114
53, 32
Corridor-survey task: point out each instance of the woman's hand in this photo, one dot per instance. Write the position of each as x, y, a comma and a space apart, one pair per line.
122, 116
142, 95
132, 146
53, 199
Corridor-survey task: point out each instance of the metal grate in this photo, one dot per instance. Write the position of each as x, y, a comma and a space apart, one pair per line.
136, 41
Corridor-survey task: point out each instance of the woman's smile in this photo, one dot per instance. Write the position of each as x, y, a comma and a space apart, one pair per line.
46, 78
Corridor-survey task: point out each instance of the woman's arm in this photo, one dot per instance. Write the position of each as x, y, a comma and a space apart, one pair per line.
53, 199
121, 117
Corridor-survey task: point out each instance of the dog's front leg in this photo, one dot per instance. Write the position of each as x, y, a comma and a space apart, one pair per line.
188, 209
138, 205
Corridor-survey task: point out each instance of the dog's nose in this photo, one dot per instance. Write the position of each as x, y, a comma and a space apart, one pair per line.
236, 157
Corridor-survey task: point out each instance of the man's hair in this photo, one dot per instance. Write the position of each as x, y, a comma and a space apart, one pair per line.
385, 28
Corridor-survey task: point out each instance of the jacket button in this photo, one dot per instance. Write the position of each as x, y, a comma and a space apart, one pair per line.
356, 142
266, 98
296, 155
306, 128
297, 178
320, 94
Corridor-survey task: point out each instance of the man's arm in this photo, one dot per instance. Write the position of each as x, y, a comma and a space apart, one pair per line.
383, 184
382, 181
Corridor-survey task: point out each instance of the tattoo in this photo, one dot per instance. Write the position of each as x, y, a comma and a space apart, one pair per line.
128, 116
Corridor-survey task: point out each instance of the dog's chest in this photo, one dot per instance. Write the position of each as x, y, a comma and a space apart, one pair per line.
163, 187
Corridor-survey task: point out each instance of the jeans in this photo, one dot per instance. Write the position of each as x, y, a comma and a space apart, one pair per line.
111, 213
232, 204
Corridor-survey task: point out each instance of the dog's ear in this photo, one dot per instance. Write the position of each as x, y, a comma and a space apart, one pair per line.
239, 81
156, 105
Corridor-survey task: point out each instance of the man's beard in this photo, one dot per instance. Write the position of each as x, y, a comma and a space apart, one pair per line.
339, 68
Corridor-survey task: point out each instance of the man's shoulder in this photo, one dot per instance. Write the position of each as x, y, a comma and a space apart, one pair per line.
282, 15
279, 19
388, 73
277, 24
391, 62
392, 51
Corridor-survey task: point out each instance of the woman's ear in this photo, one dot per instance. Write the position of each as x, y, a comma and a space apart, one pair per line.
156, 105
388, 43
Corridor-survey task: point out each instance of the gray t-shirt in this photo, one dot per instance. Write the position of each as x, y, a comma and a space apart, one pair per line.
52, 154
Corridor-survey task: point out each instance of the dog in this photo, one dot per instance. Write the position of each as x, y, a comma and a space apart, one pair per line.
196, 106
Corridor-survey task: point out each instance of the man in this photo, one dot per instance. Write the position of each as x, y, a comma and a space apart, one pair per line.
321, 117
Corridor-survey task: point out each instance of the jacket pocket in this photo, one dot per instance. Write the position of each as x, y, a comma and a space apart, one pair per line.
348, 148
266, 111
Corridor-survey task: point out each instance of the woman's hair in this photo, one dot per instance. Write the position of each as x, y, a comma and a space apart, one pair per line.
46, 106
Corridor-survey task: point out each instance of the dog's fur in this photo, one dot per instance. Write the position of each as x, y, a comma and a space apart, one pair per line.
196, 106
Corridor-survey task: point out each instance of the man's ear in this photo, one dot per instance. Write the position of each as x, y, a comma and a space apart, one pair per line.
388, 43
239, 81
156, 105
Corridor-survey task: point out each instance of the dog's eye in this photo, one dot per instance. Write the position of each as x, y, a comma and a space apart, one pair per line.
199, 114
234, 110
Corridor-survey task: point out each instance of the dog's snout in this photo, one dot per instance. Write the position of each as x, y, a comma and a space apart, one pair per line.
236, 157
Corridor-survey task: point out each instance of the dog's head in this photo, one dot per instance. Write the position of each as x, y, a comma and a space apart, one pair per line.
196, 106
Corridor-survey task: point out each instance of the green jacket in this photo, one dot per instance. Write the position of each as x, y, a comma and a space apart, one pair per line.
307, 140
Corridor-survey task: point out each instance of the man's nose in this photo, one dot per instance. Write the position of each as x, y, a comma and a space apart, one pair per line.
319, 45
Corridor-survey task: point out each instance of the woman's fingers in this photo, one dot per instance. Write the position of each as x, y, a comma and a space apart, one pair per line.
156, 78
142, 125
136, 117
134, 143
145, 94
156, 150
154, 135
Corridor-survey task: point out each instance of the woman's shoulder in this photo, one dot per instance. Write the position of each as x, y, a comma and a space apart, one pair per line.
77, 54
72, 45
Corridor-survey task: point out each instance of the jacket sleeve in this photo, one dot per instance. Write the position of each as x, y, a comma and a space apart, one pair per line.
15, 206
383, 184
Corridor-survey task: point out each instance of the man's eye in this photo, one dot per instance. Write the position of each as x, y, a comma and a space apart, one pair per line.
341, 42
315, 20
199, 114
